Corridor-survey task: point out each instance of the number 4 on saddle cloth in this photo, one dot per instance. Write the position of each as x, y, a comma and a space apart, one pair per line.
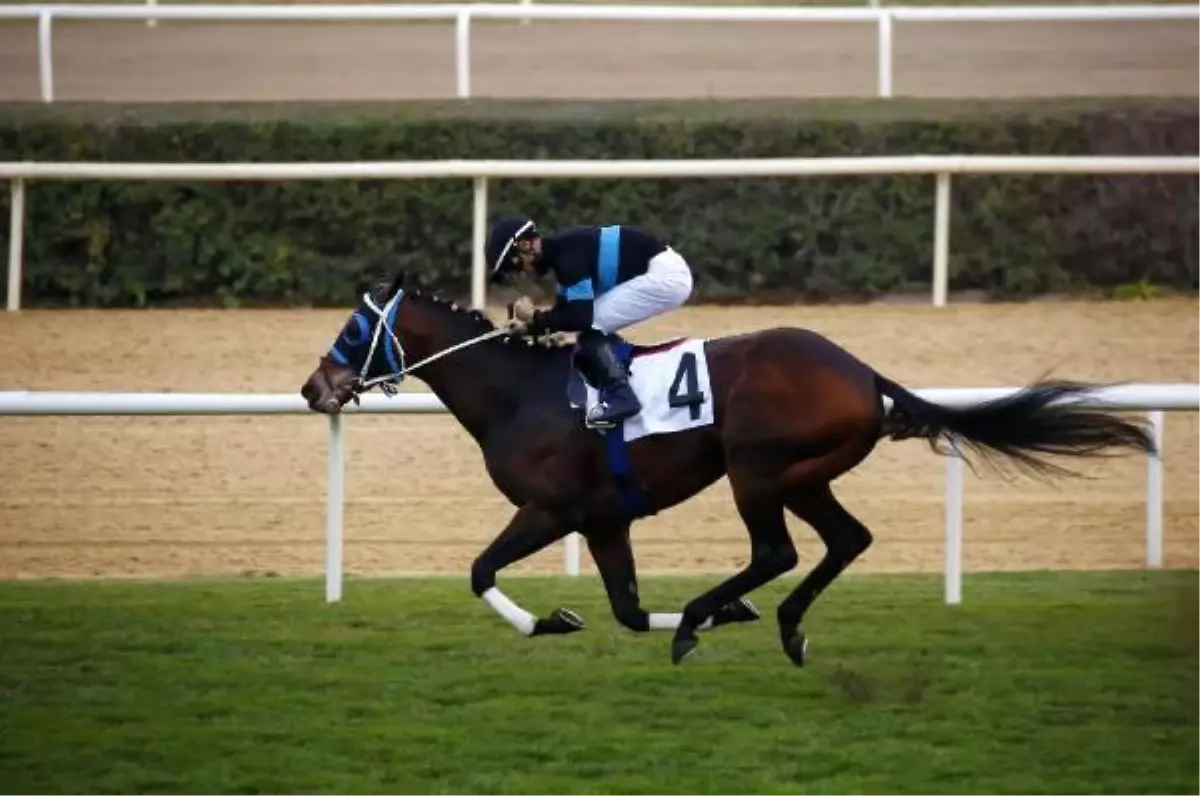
671, 381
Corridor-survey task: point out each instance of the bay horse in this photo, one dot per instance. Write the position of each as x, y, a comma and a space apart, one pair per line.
791, 411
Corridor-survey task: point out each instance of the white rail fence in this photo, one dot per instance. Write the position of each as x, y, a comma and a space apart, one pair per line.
463, 15
480, 171
1152, 398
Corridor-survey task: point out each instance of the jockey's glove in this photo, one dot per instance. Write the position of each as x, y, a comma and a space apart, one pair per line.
516, 326
523, 309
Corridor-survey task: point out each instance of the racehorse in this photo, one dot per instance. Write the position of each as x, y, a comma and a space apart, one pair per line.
782, 412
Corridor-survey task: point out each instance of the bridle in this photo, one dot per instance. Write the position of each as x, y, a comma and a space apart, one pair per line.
386, 321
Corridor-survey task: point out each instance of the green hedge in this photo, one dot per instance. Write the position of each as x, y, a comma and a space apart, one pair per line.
128, 244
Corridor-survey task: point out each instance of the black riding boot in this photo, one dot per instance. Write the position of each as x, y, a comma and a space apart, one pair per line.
617, 400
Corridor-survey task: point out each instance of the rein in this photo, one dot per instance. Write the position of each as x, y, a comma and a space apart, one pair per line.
387, 382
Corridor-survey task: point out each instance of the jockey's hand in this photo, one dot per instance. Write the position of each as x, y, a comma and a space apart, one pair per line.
516, 326
523, 309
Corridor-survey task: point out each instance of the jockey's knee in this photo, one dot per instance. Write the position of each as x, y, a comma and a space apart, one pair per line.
686, 283
631, 616
679, 277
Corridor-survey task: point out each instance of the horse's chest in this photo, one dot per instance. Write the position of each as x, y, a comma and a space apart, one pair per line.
534, 457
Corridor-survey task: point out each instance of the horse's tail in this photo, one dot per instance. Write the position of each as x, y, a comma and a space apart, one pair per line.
1031, 423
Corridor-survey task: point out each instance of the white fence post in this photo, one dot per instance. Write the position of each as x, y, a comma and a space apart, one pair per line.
884, 53
334, 501
1154, 495
45, 56
954, 528
462, 54
941, 240
478, 241
16, 242
151, 22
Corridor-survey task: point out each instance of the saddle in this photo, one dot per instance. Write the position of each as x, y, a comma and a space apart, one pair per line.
633, 500
577, 388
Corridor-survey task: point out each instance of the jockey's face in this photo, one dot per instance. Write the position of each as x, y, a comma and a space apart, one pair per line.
529, 251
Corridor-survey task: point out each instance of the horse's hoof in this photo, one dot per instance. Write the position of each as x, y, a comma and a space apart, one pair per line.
569, 619
682, 648
740, 610
561, 622
796, 647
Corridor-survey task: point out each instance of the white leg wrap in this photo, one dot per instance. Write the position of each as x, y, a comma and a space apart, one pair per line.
517, 616
671, 621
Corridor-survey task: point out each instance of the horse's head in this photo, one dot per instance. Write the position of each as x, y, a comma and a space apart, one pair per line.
367, 352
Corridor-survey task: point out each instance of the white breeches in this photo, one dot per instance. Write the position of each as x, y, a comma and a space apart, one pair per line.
667, 284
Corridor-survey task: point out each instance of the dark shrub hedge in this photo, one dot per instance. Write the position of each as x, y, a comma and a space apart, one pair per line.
129, 244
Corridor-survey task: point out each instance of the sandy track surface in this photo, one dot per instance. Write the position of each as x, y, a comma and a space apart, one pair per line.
148, 496
180, 61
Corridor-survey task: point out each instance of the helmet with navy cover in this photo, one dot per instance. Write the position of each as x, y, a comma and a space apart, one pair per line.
501, 251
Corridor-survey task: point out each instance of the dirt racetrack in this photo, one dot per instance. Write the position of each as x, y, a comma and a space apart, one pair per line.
193, 61
148, 496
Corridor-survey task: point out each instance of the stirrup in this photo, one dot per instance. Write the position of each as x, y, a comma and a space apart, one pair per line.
593, 420
593, 416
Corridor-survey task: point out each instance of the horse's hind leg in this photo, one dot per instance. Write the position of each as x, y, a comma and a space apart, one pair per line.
845, 539
771, 552
613, 555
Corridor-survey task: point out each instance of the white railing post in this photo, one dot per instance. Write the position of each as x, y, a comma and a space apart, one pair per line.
525, 4
1154, 495
954, 528
884, 53
478, 241
45, 54
941, 240
151, 22
16, 242
462, 54
336, 492
571, 554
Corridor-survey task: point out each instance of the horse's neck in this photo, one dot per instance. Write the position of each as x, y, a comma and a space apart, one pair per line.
480, 385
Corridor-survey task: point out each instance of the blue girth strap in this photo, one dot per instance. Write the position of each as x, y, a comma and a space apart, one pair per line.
633, 501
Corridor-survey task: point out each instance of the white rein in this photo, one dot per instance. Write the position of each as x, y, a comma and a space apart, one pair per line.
387, 382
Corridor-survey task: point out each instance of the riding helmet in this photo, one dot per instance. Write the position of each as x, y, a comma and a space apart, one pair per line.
502, 241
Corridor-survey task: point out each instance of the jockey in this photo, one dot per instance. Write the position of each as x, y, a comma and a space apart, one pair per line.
608, 278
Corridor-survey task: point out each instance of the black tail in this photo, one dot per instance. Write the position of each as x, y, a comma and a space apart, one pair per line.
1025, 426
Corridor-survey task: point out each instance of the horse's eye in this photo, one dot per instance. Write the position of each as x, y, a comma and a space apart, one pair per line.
357, 330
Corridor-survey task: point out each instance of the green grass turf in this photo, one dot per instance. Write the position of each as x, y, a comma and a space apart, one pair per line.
1040, 682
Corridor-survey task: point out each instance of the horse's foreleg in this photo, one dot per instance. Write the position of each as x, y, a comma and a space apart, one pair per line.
613, 555
530, 530
845, 539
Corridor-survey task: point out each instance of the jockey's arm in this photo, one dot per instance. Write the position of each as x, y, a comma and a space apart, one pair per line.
573, 310
567, 315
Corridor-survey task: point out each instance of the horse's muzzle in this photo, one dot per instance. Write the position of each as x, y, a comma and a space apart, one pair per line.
320, 396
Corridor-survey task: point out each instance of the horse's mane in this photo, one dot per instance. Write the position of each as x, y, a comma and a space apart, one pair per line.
480, 322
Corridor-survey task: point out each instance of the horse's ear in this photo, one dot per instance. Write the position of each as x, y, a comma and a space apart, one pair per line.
397, 283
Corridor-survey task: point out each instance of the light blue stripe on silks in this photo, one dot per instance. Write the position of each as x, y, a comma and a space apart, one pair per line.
608, 258
580, 291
